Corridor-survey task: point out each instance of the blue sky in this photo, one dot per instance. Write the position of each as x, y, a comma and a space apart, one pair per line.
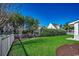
51, 12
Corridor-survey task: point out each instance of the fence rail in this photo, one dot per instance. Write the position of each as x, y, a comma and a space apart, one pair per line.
5, 44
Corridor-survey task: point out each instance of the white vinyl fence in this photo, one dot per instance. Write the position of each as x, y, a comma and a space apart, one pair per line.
5, 44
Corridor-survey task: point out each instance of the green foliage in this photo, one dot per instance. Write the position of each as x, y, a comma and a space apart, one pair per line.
68, 27
32, 24
52, 32
24, 31
16, 19
19, 20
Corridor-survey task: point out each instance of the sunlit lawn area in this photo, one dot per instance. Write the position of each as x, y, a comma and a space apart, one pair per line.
40, 46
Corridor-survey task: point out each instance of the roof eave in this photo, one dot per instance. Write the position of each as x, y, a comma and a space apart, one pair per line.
74, 22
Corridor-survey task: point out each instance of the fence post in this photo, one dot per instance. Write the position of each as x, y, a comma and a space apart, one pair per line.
0, 46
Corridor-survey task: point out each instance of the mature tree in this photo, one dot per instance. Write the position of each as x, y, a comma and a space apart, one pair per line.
10, 13
32, 24
4, 13
17, 20
8, 10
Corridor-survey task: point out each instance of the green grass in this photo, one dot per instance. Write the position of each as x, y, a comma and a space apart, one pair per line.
40, 46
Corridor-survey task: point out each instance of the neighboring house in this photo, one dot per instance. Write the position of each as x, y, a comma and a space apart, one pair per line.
53, 26
38, 31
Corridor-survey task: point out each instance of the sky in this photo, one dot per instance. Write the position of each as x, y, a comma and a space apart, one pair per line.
58, 13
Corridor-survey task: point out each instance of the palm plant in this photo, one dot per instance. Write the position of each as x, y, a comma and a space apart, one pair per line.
68, 27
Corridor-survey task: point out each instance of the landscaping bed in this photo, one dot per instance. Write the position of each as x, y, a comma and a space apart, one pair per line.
68, 50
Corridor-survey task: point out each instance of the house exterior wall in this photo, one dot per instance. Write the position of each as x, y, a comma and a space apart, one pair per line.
58, 27
76, 31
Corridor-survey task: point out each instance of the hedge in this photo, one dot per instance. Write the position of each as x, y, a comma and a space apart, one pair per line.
52, 32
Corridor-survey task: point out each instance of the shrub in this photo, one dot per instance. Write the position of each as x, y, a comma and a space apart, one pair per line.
27, 34
24, 32
52, 32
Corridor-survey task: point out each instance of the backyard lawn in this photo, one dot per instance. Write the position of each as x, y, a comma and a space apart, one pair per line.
40, 46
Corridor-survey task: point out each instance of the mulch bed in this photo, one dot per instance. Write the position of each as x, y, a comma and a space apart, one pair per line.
68, 50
